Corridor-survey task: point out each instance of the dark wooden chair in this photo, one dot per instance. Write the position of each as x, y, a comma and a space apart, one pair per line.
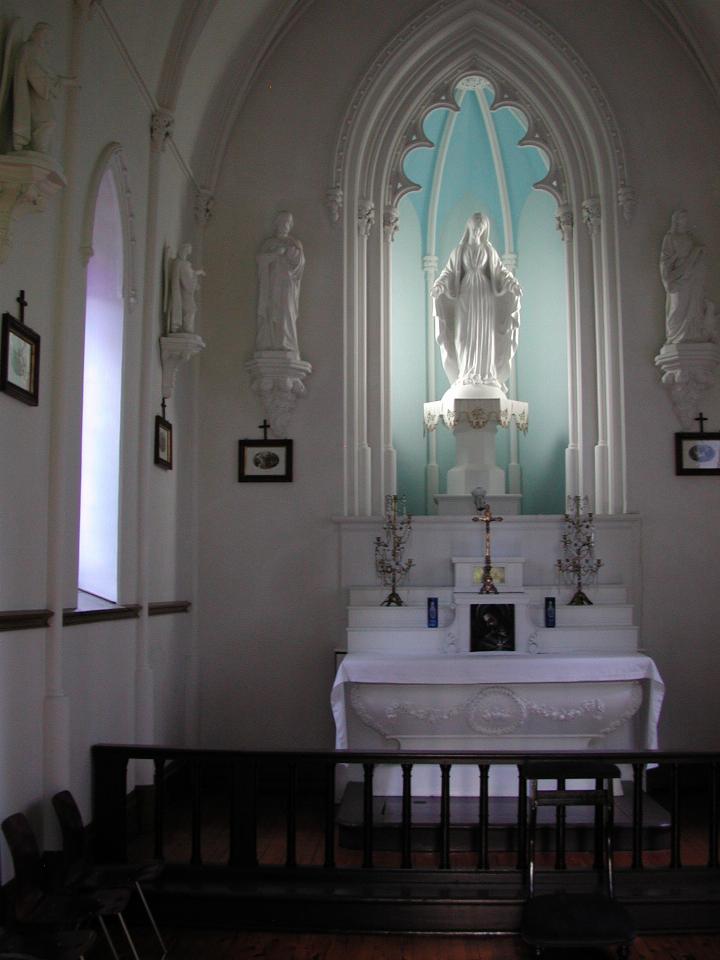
60, 909
86, 876
570, 919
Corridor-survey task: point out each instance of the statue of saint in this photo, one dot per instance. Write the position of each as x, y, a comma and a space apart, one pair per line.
280, 265
477, 312
689, 317
35, 86
181, 284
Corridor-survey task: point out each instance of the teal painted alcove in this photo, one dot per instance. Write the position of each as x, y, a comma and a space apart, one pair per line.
476, 163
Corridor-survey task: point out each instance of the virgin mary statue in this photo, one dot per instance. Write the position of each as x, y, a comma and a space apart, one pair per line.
477, 315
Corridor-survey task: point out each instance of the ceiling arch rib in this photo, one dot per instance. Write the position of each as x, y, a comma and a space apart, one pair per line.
189, 26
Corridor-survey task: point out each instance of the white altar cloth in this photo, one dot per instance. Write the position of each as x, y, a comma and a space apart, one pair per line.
497, 701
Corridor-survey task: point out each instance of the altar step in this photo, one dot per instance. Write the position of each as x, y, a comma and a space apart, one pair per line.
599, 614
502, 833
599, 593
609, 639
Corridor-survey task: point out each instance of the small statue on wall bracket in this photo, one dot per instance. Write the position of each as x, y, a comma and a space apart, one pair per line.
35, 86
690, 357
179, 343
277, 372
182, 282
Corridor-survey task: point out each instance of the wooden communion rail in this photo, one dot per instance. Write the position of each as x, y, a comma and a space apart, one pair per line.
251, 840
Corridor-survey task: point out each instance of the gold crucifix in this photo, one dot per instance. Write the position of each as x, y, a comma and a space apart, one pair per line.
486, 517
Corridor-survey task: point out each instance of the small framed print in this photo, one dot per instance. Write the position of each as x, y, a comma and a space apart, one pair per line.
19, 361
264, 461
697, 454
163, 443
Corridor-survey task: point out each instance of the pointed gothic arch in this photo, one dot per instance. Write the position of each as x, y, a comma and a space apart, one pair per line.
533, 69
107, 247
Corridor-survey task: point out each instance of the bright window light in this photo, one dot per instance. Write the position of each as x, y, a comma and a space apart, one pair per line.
102, 401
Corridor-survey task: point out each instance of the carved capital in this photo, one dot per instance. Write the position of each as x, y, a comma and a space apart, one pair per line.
592, 212
161, 128
366, 217
204, 205
334, 202
565, 222
391, 223
627, 201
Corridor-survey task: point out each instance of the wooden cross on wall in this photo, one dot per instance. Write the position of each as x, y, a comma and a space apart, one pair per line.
23, 303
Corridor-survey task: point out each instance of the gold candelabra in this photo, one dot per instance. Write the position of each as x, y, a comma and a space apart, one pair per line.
579, 543
389, 564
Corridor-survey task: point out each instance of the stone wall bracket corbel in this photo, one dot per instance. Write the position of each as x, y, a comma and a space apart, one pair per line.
277, 377
27, 179
176, 349
689, 370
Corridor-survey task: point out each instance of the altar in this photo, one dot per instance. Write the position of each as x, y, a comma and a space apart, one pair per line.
489, 702
411, 682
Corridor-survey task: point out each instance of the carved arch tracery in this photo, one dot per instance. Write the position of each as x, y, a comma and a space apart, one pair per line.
534, 70
112, 158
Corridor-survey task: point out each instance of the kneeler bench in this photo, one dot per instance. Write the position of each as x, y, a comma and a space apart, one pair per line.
565, 919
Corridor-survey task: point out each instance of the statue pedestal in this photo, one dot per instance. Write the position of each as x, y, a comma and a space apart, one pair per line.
277, 376
474, 422
176, 349
501, 504
27, 179
689, 370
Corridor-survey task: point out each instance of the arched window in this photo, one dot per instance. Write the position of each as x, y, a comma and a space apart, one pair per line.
103, 384
533, 70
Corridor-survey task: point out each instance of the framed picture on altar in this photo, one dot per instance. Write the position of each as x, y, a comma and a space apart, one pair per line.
697, 454
266, 461
19, 361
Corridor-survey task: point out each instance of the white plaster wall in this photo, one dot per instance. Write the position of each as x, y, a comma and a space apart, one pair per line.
99, 661
268, 559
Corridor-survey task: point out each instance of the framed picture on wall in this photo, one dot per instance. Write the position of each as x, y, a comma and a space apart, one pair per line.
163, 443
19, 361
697, 454
266, 461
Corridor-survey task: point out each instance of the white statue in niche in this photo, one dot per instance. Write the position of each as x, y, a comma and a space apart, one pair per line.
280, 265
181, 285
477, 314
35, 87
689, 316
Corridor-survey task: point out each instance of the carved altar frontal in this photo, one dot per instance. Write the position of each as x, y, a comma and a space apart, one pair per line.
491, 702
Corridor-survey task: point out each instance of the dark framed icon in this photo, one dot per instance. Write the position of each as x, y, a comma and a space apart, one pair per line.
19, 361
697, 454
266, 461
163, 443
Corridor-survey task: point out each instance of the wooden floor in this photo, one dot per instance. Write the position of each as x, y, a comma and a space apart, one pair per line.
191, 944
225, 945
